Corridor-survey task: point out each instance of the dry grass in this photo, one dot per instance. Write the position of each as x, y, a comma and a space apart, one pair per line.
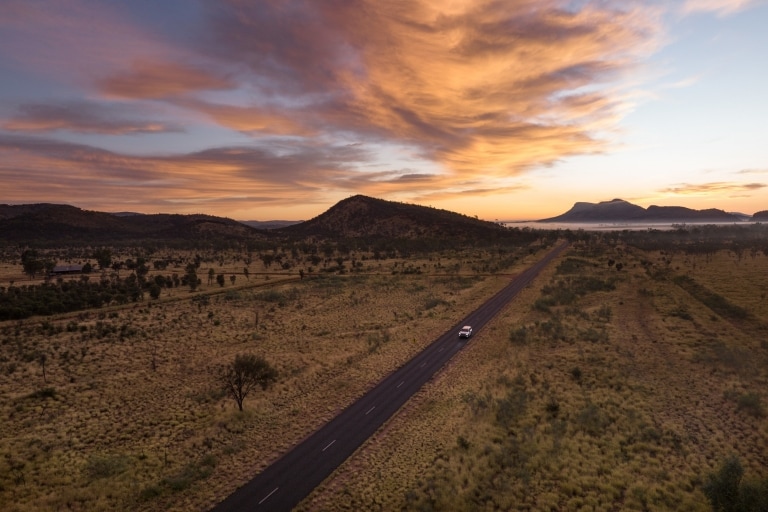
621, 400
124, 414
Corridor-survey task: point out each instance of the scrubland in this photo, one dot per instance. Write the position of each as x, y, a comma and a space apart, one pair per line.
118, 408
595, 389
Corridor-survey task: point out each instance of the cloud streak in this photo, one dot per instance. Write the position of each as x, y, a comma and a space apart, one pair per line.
719, 7
713, 188
83, 117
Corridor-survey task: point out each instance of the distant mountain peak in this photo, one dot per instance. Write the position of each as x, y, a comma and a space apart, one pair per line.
619, 210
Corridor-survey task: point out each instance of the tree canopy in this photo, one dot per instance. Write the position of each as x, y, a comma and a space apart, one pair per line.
244, 374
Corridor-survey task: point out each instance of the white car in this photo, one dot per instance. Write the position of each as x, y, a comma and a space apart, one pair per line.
465, 331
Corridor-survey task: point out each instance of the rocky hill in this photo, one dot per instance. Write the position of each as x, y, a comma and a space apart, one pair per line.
363, 217
618, 210
357, 217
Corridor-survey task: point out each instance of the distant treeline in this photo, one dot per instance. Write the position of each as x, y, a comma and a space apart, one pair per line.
64, 296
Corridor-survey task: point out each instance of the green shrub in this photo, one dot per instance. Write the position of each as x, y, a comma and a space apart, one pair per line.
191, 473
104, 466
722, 488
592, 420
511, 407
752, 404
576, 374
519, 336
43, 394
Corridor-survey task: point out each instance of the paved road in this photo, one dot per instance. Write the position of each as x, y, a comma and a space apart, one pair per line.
281, 486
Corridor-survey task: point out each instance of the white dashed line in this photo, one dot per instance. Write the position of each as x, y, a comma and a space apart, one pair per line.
369, 410
268, 495
329, 445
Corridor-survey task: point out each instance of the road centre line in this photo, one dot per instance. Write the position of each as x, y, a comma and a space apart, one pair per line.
369, 410
268, 495
329, 445
401, 383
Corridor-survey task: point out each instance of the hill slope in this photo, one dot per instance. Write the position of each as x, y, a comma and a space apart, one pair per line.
361, 216
63, 224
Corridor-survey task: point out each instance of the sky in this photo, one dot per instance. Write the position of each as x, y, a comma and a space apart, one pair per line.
278, 109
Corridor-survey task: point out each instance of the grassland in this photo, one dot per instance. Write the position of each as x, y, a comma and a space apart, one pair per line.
597, 389
118, 408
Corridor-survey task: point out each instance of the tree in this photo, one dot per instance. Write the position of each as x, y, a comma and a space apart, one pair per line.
154, 290
191, 276
32, 263
722, 488
103, 257
267, 259
244, 374
728, 491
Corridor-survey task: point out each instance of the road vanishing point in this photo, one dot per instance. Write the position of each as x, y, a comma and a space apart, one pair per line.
282, 485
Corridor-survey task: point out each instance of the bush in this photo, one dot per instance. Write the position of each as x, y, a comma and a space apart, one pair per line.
103, 466
43, 394
722, 488
190, 473
752, 404
511, 407
728, 492
576, 374
519, 336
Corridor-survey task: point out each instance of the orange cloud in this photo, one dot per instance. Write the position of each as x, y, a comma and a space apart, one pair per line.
471, 93
251, 119
37, 169
484, 88
157, 79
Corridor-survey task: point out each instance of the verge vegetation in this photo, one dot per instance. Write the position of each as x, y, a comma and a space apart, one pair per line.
638, 386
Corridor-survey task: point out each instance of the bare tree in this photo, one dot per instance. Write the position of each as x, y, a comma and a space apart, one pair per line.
244, 374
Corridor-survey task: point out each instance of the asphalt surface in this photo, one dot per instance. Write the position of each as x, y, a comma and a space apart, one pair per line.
282, 485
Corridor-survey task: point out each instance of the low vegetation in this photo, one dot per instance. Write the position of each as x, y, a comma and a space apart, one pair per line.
589, 392
630, 375
121, 407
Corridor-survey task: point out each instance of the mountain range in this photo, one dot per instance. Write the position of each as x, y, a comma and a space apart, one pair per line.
357, 217
619, 210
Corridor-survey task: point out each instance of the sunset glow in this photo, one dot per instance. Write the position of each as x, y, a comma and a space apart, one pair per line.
508, 110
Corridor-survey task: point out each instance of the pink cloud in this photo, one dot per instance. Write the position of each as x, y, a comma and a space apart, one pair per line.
720, 7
